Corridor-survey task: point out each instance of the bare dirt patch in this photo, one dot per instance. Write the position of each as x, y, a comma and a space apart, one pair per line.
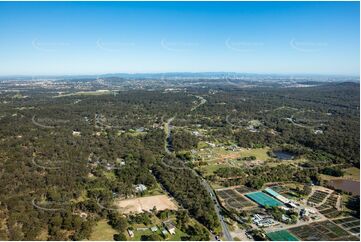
138, 205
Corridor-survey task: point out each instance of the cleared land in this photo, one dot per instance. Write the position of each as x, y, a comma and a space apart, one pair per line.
351, 173
141, 229
223, 157
176, 237
259, 153
138, 205
222, 154
85, 93
102, 231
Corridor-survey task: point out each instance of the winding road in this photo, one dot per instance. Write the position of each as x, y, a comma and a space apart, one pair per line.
168, 137
202, 101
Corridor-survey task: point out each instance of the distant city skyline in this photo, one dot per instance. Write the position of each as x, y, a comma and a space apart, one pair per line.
89, 38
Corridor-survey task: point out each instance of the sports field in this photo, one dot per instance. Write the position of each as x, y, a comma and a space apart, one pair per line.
282, 235
263, 199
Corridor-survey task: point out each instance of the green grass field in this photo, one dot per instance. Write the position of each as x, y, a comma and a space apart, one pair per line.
157, 190
102, 231
169, 237
259, 153
138, 234
210, 169
219, 153
282, 235
353, 173
155, 221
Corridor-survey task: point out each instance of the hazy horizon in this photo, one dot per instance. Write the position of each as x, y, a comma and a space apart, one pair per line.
185, 72
89, 38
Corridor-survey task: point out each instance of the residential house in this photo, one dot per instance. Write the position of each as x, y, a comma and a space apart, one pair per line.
170, 227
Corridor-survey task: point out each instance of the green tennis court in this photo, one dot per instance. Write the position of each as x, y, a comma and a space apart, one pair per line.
263, 199
282, 235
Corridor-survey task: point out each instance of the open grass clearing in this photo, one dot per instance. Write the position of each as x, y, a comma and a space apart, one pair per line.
219, 157
221, 154
259, 153
156, 190
141, 229
102, 231
210, 169
176, 237
351, 173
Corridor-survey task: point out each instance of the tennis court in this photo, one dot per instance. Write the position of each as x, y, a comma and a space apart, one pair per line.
282, 235
263, 199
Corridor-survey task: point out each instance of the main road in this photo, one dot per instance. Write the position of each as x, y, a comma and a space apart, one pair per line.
217, 206
218, 209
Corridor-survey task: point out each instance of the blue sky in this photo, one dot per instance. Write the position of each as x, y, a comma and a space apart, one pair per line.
109, 37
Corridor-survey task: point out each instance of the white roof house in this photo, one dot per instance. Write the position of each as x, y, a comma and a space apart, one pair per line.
140, 188
76, 133
164, 232
154, 228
